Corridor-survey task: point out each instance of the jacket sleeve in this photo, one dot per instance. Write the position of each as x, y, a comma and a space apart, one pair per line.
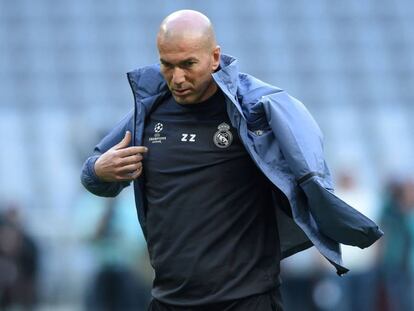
88, 176
301, 144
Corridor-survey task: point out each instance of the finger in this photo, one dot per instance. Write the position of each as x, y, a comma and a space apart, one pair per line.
131, 151
137, 173
130, 168
124, 142
133, 159
130, 176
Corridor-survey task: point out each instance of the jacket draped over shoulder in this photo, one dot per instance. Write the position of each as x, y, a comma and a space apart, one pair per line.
284, 141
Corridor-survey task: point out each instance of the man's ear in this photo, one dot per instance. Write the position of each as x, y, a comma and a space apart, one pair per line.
216, 57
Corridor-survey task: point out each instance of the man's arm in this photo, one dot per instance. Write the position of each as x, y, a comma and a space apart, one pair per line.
114, 163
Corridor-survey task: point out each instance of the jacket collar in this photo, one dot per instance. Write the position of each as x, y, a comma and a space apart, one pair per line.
228, 73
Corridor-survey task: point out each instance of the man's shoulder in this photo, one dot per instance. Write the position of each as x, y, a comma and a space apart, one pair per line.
252, 89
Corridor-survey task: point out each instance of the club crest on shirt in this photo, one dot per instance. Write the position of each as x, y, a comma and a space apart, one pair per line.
157, 138
223, 137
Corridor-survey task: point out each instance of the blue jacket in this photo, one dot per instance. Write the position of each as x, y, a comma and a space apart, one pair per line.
283, 140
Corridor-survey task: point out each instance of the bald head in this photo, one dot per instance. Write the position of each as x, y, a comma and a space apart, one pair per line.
188, 56
187, 25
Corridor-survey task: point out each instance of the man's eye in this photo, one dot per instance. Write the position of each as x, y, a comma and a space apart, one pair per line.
188, 64
167, 66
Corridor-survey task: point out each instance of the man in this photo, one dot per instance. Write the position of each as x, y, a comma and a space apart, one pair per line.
228, 174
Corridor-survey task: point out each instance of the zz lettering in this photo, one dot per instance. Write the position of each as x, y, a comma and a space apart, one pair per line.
188, 137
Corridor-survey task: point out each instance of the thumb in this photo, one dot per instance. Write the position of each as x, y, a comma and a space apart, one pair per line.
124, 142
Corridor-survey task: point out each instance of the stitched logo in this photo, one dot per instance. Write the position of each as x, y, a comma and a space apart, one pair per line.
223, 137
157, 138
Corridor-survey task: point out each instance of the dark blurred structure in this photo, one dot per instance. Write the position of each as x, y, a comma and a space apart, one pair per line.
115, 285
18, 264
397, 253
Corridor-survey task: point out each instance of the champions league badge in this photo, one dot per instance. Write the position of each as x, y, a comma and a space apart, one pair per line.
223, 137
158, 127
157, 138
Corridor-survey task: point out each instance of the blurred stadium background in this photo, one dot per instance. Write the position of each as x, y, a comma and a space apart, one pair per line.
63, 85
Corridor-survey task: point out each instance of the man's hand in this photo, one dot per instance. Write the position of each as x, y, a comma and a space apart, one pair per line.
120, 163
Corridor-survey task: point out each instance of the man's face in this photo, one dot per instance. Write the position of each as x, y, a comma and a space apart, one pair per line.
187, 65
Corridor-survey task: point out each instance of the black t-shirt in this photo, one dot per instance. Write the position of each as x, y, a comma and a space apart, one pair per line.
211, 227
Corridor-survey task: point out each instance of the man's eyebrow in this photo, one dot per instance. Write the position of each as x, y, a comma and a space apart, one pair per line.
164, 62
187, 61
190, 59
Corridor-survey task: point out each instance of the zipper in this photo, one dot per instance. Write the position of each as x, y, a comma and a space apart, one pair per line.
139, 183
135, 109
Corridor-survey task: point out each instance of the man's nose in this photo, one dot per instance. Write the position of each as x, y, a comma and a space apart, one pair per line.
178, 76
